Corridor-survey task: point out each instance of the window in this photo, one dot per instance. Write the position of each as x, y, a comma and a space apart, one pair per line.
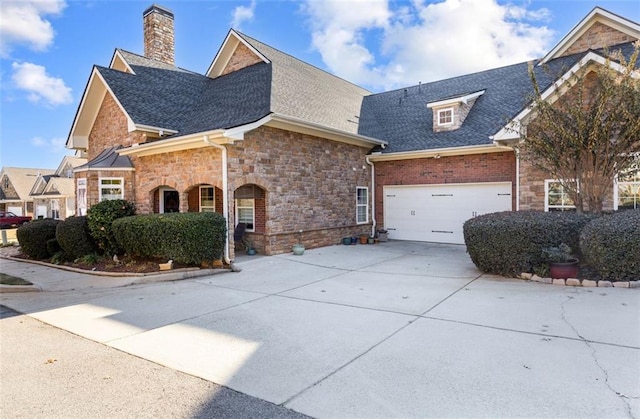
55, 209
556, 198
81, 196
5, 182
245, 213
362, 205
628, 190
445, 116
207, 199
111, 188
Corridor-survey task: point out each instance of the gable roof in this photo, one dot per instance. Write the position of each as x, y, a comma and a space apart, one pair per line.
22, 179
597, 15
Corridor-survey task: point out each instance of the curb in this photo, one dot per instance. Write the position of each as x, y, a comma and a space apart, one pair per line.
6, 289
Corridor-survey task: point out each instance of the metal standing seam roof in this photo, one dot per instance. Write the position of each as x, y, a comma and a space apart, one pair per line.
107, 159
401, 117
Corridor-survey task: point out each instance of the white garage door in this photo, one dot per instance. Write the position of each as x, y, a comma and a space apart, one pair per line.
436, 213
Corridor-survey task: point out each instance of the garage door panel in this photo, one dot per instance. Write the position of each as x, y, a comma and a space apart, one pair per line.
438, 212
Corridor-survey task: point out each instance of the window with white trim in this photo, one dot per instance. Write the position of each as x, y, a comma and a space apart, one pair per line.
111, 188
245, 213
362, 205
81, 196
55, 209
445, 116
556, 197
207, 199
627, 191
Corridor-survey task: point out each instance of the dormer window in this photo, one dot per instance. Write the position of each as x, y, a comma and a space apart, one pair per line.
445, 116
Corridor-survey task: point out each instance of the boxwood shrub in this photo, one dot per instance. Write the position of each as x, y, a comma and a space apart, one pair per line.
74, 238
99, 219
189, 237
33, 237
509, 243
611, 245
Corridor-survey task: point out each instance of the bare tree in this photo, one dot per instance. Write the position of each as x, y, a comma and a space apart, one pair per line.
588, 130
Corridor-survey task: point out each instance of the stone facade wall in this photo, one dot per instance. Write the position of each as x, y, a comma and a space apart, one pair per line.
110, 128
242, 57
598, 36
159, 43
489, 167
460, 112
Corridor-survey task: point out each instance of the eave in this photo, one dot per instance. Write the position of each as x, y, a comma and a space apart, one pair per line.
437, 153
460, 99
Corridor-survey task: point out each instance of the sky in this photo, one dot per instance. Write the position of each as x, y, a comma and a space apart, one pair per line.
48, 47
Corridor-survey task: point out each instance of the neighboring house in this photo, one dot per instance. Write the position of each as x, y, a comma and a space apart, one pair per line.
15, 185
54, 195
298, 154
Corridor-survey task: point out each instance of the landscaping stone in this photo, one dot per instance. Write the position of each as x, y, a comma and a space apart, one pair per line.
573, 282
536, 278
559, 282
526, 275
546, 280
589, 283
605, 284
621, 284
634, 284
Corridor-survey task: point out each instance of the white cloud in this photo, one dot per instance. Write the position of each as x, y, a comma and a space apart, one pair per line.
41, 86
23, 23
53, 144
373, 44
242, 14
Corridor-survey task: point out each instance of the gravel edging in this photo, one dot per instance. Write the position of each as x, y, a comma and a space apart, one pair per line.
575, 282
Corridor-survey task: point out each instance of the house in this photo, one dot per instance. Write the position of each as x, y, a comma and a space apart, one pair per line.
15, 185
54, 195
298, 154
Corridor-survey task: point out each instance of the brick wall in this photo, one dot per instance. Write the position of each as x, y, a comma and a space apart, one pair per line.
93, 183
242, 57
489, 167
598, 36
110, 129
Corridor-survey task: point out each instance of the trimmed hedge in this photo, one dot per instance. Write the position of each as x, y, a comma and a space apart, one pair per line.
99, 219
74, 238
611, 245
509, 243
189, 237
33, 237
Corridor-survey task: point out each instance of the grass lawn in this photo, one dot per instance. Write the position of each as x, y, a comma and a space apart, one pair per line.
12, 280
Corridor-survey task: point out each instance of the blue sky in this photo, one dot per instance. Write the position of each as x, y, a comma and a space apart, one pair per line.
47, 48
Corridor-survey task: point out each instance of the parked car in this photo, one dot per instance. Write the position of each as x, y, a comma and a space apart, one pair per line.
9, 219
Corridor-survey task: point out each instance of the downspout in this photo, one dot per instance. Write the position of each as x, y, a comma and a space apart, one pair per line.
517, 180
373, 193
225, 194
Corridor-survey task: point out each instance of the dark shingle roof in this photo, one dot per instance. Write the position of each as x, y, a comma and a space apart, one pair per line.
401, 117
164, 96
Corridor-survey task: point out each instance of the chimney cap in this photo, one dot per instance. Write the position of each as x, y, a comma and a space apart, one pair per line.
159, 9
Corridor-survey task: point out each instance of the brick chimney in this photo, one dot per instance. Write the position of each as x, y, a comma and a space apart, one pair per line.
158, 34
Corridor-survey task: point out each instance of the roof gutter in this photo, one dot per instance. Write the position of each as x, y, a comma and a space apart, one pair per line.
436, 153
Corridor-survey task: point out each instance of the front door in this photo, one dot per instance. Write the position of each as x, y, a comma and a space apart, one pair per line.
170, 201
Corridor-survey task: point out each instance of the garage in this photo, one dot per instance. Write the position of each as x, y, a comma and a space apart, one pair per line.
436, 213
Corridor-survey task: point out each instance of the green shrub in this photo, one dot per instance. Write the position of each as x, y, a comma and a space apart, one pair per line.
74, 238
190, 237
509, 243
611, 245
33, 237
53, 246
99, 219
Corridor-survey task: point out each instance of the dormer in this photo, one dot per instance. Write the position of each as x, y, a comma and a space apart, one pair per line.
449, 114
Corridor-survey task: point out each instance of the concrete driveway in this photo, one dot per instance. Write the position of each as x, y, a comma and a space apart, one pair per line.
399, 329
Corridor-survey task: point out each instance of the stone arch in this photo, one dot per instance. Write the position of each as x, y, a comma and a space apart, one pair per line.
204, 197
165, 198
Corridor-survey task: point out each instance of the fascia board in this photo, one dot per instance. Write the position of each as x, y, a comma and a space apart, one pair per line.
441, 152
171, 144
463, 99
117, 55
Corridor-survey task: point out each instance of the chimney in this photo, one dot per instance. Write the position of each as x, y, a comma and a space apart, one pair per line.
158, 34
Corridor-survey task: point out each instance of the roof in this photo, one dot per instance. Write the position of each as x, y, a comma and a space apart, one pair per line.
107, 159
402, 118
303, 91
23, 179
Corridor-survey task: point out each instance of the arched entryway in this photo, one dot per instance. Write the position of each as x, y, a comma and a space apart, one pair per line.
205, 198
165, 199
249, 202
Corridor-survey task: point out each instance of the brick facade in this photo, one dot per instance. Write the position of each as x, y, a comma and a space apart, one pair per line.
489, 167
242, 57
598, 36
